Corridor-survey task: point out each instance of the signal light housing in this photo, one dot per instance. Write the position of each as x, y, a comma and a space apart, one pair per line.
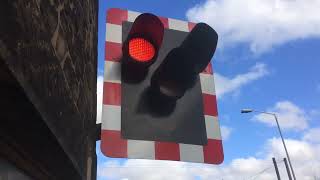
143, 42
140, 49
179, 70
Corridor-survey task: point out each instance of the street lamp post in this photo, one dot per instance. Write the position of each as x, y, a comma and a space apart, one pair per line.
284, 144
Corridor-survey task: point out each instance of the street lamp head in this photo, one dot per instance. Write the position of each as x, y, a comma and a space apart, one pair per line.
246, 110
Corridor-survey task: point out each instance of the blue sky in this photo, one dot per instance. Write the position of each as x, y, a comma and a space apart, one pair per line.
268, 59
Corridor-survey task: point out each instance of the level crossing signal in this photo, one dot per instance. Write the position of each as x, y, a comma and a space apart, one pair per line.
159, 99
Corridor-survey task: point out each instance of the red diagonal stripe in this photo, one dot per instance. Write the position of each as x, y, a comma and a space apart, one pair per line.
113, 51
213, 152
191, 25
117, 16
210, 104
112, 145
208, 69
112, 93
164, 21
167, 151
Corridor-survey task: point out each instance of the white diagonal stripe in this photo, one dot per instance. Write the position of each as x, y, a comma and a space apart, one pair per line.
178, 25
191, 153
114, 33
141, 149
207, 83
111, 117
212, 127
112, 72
132, 15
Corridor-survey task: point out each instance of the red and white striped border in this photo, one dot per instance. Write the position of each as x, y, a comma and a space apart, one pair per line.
112, 144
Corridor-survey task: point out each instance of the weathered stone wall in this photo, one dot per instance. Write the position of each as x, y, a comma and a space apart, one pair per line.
50, 47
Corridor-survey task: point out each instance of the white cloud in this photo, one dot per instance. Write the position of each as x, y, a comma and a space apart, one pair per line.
304, 156
312, 135
225, 85
226, 132
99, 98
260, 23
134, 169
299, 151
290, 116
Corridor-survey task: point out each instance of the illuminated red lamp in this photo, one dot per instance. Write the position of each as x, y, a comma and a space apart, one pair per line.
143, 42
141, 50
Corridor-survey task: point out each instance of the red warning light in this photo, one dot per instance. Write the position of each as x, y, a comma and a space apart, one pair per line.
141, 49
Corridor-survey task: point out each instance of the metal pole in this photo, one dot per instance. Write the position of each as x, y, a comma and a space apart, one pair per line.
287, 168
276, 168
285, 147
